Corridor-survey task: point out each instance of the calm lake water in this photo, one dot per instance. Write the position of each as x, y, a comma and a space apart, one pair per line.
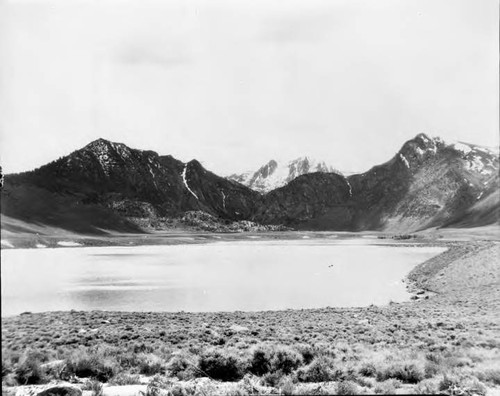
222, 276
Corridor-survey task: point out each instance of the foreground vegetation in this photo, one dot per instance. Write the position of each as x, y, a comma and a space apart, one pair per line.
448, 343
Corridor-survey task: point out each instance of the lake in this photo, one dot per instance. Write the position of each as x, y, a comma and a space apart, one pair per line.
221, 276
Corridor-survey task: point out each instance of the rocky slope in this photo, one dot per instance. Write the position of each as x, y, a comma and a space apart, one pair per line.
276, 174
427, 183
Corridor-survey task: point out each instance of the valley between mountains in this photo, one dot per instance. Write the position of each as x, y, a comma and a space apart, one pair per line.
109, 187
443, 340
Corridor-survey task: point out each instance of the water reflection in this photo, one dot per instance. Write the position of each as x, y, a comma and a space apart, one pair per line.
223, 276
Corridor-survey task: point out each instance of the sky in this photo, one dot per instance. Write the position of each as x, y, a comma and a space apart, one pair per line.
236, 83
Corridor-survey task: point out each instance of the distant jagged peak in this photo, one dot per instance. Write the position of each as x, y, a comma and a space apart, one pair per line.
277, 172
307, 164
268, 169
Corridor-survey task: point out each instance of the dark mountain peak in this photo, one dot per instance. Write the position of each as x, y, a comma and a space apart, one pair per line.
424, 142
195, 165
100, 147
106, 151
101, 142
268, 169
423, 137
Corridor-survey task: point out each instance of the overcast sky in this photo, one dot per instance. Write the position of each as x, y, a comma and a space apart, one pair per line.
237, 83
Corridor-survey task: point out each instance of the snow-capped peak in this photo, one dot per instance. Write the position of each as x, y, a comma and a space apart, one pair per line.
275, 174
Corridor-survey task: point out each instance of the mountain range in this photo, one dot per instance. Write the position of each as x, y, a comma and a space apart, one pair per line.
109, 186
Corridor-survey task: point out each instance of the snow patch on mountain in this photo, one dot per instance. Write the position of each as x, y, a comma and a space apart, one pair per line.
101, 150
464, 148
6, 243
68, 243
350, 187
121, 149
478, 159
403, 158
185, 181
223, 199
104, 151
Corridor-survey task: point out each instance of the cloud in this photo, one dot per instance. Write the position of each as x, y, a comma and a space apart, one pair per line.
149, 52
306, 27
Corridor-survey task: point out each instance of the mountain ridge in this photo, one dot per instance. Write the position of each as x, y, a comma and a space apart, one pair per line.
108, 185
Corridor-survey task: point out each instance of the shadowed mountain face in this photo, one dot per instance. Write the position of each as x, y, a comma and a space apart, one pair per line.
120, 182
103, 185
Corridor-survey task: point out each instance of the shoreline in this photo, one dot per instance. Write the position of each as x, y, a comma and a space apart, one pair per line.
433, 237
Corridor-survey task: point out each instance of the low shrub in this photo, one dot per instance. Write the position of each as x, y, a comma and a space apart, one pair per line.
409, 373
319, 370
287, 385
273, 378
96, 388
183, 366
489, 375
182, 390
368, 369
448, 381
387, 387
432, 369
125, 379
474, 387
56, 370
150, 364
157, 386
93, 365
29, 370
459, 385
307, 351
286, 360
266, 359
434, 357
6, 367
260, 362
426, 387
346, 388
221, 365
